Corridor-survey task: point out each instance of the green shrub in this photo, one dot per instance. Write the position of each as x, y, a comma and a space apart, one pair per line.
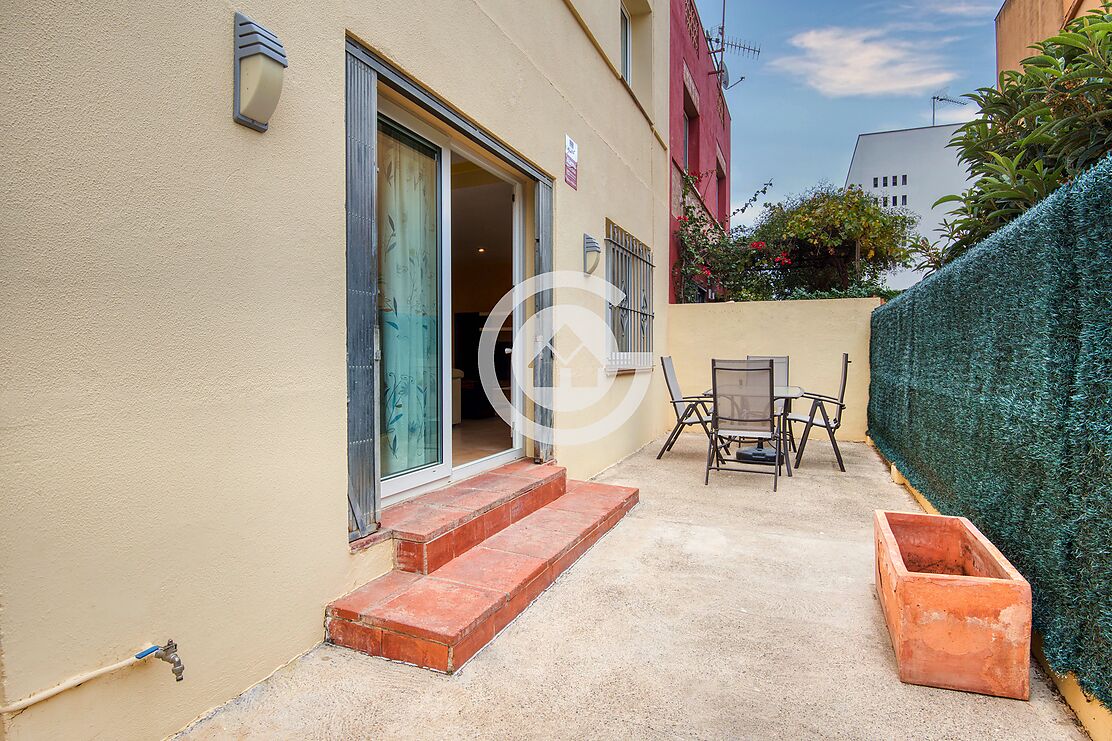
831, 239
826, 242
857, 290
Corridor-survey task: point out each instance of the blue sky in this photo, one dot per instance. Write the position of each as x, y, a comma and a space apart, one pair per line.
831, 69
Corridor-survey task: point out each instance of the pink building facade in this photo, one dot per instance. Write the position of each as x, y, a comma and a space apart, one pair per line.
699, 123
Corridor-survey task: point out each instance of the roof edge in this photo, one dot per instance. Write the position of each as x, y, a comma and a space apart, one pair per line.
910, 128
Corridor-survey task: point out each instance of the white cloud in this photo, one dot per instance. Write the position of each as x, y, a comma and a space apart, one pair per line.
955, 115
841, 62
962, 8
939, 15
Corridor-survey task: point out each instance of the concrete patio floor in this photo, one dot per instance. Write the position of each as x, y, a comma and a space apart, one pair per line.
709, 612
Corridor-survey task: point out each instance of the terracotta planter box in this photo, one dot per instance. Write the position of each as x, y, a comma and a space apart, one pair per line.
959, 614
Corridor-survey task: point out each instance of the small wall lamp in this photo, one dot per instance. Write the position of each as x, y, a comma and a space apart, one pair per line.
259, 62
592, 253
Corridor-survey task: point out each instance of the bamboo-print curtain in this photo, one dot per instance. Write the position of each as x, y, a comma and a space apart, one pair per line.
409, 310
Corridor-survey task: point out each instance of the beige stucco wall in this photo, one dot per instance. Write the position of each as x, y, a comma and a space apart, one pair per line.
813, 334
174, 406
1021, 23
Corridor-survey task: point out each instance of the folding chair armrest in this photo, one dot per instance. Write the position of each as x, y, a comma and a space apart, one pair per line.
816, 402
824, 399
701, 402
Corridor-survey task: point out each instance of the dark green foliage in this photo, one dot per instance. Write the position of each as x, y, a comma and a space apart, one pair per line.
863, 289
991, 385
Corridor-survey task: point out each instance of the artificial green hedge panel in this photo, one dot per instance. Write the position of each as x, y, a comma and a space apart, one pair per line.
991, 391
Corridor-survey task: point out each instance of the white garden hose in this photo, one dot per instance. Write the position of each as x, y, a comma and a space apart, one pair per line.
75, 681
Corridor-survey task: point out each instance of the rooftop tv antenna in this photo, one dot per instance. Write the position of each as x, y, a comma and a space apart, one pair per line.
943, 96
720, 43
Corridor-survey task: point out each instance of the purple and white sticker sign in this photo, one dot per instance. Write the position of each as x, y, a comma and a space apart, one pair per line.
571, 162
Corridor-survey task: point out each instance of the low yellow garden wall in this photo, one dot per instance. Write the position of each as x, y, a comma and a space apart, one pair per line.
814, 334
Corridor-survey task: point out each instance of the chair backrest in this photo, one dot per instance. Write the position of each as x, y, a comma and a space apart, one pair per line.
672, 384
742, 392
845, 373
779, 367
837, 420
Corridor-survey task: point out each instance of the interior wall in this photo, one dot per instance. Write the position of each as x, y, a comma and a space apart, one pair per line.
813, 334
482, 219
482, 216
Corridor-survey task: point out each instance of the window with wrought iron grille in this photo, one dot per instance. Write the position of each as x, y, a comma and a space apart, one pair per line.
629, 266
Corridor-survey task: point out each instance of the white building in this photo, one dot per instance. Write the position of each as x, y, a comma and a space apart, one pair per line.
912, 169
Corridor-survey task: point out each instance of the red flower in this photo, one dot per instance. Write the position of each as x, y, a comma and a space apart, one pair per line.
757, 245
706, 271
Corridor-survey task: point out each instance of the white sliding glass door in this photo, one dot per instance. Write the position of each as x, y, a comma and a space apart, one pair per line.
414, 442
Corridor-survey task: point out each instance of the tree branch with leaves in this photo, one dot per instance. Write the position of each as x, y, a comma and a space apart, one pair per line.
1038, 129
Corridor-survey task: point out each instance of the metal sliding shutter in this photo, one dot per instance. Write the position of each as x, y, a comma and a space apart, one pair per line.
542, 367
362, 299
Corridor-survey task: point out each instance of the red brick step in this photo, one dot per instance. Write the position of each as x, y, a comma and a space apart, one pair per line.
431, 530
442, 619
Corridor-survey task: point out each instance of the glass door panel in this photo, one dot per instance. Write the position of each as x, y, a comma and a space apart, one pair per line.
410, 301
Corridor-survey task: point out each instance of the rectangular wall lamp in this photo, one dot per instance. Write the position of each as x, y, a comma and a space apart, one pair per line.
259, 65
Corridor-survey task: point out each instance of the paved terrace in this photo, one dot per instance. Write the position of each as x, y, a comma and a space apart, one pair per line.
720, 611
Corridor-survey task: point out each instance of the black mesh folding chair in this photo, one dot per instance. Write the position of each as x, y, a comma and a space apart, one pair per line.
743, 408
829, 419
690, 410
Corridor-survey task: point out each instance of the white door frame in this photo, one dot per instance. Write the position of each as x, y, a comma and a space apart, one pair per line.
404, 486
403, 483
